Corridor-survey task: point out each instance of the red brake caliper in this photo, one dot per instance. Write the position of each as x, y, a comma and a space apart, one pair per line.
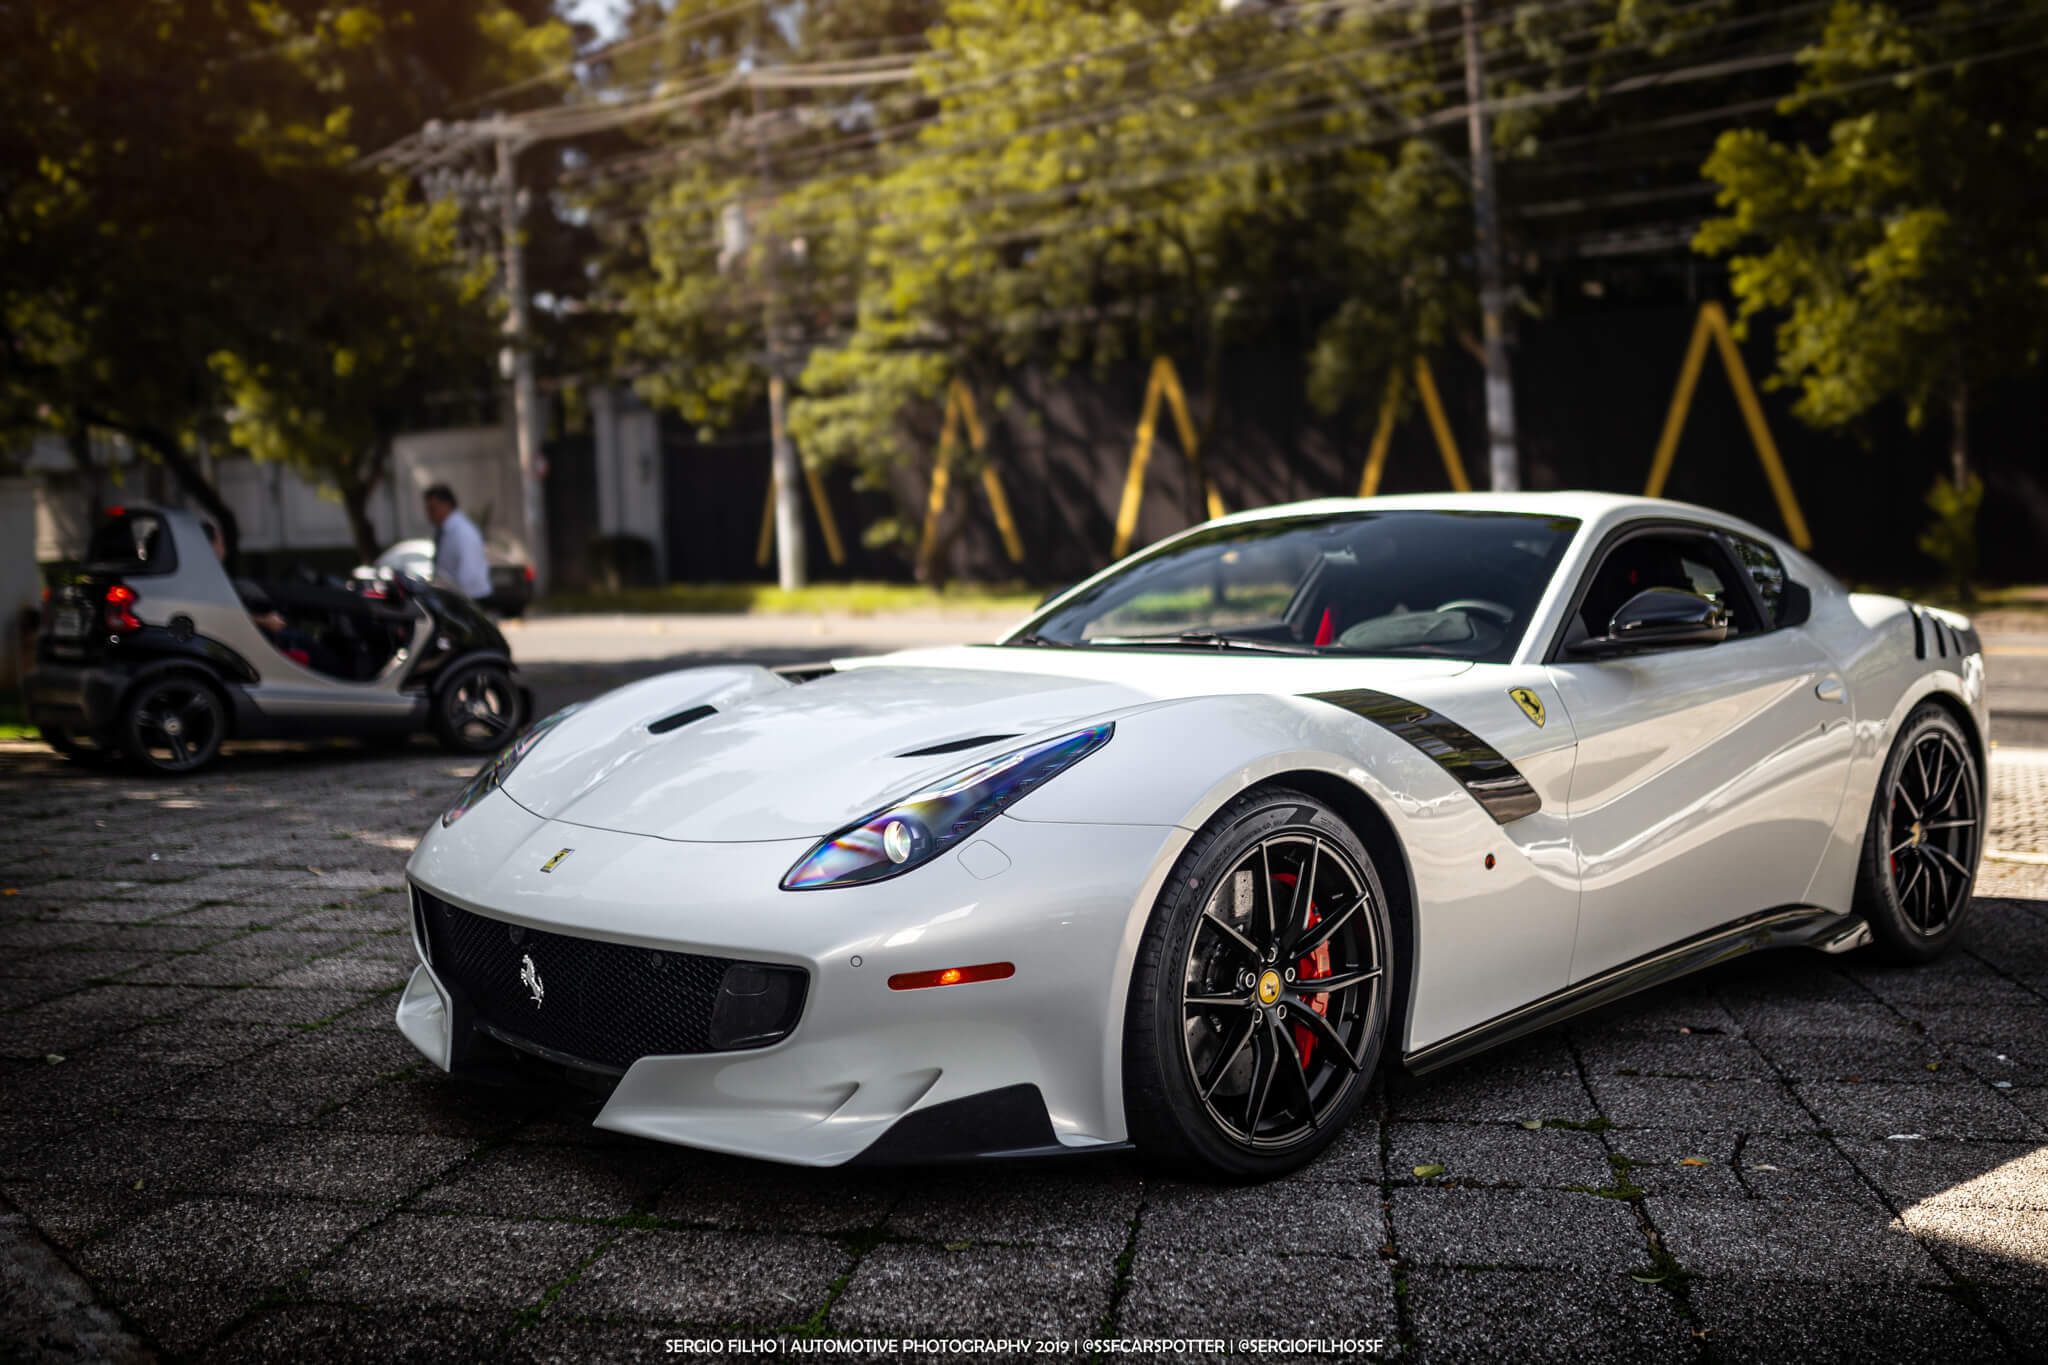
1316, 964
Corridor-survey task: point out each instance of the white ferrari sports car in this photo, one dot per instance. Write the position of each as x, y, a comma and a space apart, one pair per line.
1178, 861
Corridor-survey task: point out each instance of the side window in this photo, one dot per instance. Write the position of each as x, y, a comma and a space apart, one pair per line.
1764, 569
1689, 563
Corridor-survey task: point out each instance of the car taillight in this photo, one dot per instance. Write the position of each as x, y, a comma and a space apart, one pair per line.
120, 598
529, 571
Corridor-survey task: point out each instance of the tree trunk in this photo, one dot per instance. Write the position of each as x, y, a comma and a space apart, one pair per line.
1959, 434
78, 440
355, 500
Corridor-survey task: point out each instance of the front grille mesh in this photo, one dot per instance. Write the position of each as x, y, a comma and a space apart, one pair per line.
606, 1004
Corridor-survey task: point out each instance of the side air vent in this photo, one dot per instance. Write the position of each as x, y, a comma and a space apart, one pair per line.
1919, 634
680, 719
803, 673
954, 746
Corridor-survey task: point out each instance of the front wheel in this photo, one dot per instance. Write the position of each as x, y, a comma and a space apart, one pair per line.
1925, 835
478, 709
1258, 1002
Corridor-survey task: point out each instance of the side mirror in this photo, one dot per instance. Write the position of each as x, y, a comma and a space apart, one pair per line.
1658, 618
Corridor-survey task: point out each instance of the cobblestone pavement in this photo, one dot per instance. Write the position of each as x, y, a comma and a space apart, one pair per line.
209, 1118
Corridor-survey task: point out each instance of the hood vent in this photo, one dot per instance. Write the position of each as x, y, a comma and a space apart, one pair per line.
954, 746
680, 719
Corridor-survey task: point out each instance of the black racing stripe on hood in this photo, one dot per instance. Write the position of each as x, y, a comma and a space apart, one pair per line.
1478, 767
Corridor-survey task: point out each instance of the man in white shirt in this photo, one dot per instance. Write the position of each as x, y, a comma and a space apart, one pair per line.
458, 545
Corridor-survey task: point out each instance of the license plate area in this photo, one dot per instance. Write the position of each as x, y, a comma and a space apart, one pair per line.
68, 622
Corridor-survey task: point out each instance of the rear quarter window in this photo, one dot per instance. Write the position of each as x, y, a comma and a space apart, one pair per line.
134, 542
1761, 562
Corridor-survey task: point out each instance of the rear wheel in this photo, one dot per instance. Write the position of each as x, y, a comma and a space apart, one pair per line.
1258, 1002
477, 709
173, 724
1925, 835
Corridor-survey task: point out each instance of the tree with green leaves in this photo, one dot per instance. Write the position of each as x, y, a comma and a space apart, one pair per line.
179, 182
1896, 230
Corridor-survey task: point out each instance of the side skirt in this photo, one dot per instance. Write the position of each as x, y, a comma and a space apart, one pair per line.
1796, 927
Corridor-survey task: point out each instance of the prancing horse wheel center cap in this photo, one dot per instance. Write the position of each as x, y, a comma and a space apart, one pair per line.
1269, 988
1918, 835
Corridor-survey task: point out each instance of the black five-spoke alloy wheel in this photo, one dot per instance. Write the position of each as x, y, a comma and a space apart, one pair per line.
1259, 1003
1926, 833
478, 710
173, 724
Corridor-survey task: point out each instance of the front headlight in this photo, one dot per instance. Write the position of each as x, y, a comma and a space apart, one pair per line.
498, 769
927, 823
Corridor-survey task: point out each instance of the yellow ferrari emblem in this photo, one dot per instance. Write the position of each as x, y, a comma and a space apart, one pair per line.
1269, 988
1531, 704
551, 864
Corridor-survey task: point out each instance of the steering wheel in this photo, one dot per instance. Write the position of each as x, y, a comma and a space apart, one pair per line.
1504, 615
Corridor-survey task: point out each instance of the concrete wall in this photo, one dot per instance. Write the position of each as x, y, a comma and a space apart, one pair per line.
629, 470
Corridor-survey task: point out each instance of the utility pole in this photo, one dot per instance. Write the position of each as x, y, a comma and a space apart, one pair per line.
515, 359
1502, 458
788, 473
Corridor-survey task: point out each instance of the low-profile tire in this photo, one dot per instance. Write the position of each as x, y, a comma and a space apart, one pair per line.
1923, 839
174, 723
1233, 1068
477, 709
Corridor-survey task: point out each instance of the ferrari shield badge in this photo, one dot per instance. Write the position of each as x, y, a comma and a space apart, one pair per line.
1531, 704
551, 864
529, 977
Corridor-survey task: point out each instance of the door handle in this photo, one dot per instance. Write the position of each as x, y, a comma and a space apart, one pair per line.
1829, 689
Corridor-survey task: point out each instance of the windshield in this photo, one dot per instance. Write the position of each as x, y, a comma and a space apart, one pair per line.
1417, 584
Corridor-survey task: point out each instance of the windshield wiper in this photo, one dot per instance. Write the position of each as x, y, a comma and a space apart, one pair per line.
1034, 638
1211, 638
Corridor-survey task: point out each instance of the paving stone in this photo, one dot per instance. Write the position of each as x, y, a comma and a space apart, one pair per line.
2032, 1102
335, 1164
69, 1216
1355, 1154
157, 1153
264, 1005
242, 1241
209, 969
350, 1336
559, 1341
1852, 1018
1177, 1293
1073, 1208
1698, 1056
159, 938
1932, 1111
79, 966
255, 1096
457, 1261
1571, 1319
1496, 1154
1323, 1218
432, 1103
1659, 1161
2006, 1028
347, 1052
183, 1318
712, 1278
1833, 1242
18, 992
1007, 1291
1957, 979
727, 1192
1657, 1102
2021, 1313
1800, 1168
2011, 1175
1994, 1246
349, 974
23, 937
1782, 976
1533, 1080
563, 1182
184, 1043
1524, 1229
234, 916
1898, 1055
1990, 1064
1840, 1324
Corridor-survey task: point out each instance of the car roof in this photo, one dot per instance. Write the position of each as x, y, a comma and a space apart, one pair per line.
1592, 508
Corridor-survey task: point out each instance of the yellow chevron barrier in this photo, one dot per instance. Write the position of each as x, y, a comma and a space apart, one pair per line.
765, 547
1439, 425
1164, 383
1713, 322
960, 409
